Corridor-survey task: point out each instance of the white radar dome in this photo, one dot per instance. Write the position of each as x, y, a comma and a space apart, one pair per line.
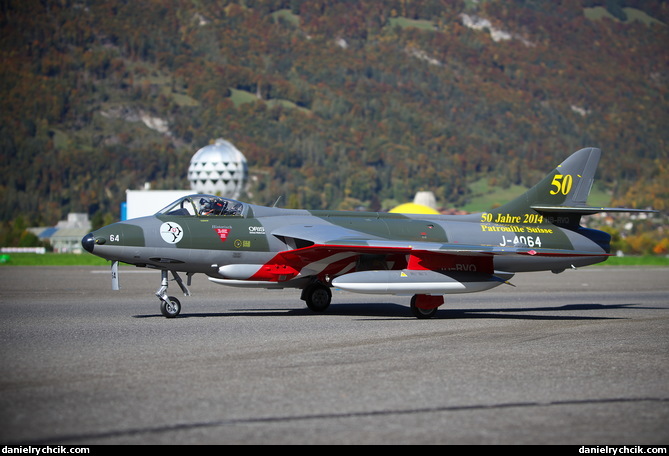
218, 169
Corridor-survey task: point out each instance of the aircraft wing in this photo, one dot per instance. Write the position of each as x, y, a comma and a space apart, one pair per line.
324, 246
332, 237
335, 237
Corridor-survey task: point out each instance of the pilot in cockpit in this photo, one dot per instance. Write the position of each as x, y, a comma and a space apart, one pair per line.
212, 206
219, 206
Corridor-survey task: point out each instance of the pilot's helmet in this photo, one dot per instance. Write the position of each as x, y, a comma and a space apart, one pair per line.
207, 205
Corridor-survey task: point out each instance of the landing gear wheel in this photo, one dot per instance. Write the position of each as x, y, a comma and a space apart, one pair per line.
318, 297
171, 307
419, 313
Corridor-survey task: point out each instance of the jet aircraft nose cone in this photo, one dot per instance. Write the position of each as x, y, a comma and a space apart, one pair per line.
88, 242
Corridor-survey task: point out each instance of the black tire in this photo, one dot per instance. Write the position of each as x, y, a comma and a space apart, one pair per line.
422, 314
318, 297
170, 309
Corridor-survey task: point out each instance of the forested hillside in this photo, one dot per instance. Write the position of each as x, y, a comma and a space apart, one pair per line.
335, 104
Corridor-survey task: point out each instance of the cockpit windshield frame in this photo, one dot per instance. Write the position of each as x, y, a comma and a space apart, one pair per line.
203, 205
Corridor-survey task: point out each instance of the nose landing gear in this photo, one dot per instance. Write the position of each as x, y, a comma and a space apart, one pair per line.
170, 306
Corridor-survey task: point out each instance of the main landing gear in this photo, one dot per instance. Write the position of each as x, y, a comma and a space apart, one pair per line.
169, 305
317, 297
425, 306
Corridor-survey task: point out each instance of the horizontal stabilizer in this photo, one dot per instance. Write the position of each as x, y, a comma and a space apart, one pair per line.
587, 210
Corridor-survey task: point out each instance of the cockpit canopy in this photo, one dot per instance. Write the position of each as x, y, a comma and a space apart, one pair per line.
201, 205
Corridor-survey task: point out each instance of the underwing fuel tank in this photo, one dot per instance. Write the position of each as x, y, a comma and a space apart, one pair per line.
408, 282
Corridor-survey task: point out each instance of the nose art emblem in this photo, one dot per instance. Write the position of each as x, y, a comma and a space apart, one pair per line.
171, 232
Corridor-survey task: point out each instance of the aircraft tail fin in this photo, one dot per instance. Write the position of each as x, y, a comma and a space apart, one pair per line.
562, 194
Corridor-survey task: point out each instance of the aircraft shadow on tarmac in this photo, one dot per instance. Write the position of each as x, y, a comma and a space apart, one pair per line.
392, 310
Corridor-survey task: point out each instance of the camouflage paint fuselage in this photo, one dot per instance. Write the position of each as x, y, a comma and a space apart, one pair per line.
205, 244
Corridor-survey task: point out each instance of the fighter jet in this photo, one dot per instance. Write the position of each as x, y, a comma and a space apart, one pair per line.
425, 257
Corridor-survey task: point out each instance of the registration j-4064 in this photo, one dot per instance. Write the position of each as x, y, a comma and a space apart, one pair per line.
520, 241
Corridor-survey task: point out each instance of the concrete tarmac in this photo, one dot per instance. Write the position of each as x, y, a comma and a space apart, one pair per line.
577, 358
